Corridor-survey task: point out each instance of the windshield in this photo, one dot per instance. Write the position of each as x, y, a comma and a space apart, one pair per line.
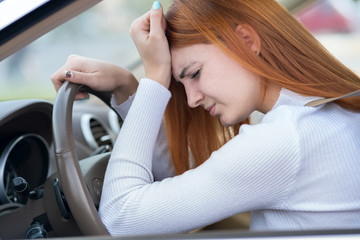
102, 33
10, 11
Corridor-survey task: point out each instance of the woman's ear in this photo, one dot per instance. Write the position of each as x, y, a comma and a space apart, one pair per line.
249, 36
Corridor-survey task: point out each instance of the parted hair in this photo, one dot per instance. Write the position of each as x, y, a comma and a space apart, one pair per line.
289, 56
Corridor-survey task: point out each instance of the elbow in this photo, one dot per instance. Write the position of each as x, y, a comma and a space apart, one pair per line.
115, 218
110, 220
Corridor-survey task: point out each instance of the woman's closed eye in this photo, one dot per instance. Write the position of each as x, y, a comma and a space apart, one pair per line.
196, 74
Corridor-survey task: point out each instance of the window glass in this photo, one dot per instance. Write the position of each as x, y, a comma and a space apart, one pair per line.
336, 24
102, 33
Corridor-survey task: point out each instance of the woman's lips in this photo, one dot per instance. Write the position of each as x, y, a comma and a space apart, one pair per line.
211, 110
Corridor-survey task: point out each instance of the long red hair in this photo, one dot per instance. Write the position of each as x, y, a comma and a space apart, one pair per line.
289, 56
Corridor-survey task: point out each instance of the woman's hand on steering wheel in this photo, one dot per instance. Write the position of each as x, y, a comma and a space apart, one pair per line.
98, 75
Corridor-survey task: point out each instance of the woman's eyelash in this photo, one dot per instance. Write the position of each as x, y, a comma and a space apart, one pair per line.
196, 74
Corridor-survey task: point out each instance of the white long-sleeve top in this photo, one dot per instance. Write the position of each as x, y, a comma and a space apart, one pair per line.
297, 169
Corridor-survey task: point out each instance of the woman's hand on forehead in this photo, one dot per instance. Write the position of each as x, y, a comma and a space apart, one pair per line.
148, 34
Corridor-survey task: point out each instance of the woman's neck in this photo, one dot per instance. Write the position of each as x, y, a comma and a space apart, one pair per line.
271, 96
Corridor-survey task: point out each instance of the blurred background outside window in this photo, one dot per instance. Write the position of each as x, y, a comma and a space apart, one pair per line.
102, 33
336, 24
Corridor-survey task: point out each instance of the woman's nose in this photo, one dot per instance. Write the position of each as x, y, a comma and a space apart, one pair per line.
194, 96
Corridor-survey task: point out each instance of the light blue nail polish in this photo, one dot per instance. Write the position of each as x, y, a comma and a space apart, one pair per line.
156, 5
83, 99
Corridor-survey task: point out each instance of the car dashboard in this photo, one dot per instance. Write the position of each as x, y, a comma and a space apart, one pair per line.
27, 150
25, 145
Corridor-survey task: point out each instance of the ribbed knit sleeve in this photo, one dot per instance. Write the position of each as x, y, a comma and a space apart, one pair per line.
162, 166
122, 109
256, 169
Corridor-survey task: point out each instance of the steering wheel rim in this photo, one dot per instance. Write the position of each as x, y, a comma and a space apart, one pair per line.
71, 179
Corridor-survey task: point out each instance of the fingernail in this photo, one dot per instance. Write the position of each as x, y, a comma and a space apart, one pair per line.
156, 5
83, 99
68, 74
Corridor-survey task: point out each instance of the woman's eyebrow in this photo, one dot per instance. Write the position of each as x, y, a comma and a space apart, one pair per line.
182, 74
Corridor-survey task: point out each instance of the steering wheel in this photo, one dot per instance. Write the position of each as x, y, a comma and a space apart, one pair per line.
71, 178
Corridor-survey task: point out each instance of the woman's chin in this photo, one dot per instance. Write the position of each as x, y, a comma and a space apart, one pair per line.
229, 122
225, 122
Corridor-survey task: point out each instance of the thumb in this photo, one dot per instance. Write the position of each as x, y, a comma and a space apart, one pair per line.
157, 19
62, 75
79, 78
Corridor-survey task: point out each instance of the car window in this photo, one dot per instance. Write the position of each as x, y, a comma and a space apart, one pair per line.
102, 33
336, 24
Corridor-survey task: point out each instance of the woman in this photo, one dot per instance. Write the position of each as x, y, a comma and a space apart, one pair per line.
297, 169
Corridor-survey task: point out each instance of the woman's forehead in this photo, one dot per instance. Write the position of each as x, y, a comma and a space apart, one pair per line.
189, 53
185, 56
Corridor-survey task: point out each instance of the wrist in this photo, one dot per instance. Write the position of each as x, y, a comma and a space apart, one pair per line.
127, 87
161, 77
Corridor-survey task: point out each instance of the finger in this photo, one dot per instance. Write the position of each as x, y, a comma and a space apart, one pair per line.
163, 23
157, 19
63, 75
58, 78
82, 96
140, 25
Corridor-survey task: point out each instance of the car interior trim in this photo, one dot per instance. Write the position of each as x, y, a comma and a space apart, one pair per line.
24, 155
